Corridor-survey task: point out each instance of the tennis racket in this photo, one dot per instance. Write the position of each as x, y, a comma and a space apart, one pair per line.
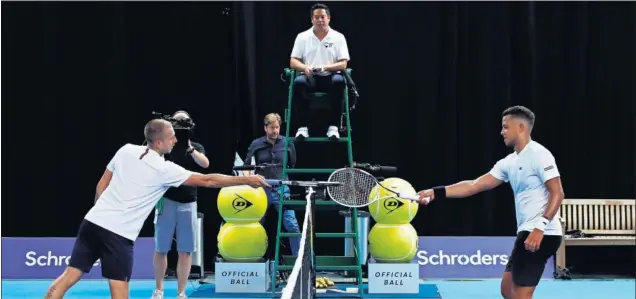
315, 184
354, 188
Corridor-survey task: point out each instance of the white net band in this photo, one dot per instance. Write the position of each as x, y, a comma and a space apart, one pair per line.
295, 283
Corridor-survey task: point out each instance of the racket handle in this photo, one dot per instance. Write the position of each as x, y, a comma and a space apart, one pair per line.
415, 198
274, 183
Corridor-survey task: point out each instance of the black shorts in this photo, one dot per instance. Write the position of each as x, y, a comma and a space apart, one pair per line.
114, 251
527, 267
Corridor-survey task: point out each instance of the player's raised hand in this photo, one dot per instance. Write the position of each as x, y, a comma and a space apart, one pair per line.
426, 196
257, 181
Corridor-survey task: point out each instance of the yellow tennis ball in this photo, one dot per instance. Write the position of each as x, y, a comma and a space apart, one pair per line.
393, 243
390, 209
242, 204
242, 242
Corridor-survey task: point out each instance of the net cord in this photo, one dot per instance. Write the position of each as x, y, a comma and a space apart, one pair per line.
291, 283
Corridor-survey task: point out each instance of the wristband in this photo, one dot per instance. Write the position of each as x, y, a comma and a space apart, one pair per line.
440, 192
541, 223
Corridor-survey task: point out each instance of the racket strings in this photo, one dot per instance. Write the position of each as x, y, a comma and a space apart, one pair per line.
355, 187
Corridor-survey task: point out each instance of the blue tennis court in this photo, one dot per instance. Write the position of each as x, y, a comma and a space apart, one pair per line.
481, 289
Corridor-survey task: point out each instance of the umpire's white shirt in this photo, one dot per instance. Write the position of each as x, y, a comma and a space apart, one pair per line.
137, 185
314, 52
527, 173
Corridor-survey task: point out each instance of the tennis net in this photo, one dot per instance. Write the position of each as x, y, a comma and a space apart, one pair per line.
301, 283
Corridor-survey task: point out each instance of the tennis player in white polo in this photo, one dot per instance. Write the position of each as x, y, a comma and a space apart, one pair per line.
134, 181
535, 180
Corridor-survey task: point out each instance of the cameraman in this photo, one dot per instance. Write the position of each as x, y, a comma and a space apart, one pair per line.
177, 210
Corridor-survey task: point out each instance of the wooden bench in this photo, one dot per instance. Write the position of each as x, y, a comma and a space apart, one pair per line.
603, 222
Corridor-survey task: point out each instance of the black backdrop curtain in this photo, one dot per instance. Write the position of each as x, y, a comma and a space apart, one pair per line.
80, 79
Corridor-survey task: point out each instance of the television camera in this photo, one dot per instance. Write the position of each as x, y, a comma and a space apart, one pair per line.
183, 127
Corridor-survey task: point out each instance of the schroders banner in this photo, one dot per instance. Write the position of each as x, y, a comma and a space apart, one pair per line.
466, 257
46, 258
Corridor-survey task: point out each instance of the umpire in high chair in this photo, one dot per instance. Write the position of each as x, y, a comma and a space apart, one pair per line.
177, 210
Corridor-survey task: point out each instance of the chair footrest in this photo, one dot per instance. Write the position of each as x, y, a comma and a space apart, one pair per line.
319, 139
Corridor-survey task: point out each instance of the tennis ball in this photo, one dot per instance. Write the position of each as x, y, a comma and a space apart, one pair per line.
242, 243
390, 209
393, 243
242, 204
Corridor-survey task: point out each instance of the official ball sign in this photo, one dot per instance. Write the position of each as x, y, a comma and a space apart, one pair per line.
394, 279
46, 258
241, 277
466, 257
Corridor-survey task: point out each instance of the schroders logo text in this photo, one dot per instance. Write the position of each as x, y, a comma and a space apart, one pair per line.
478, 258
46, 258
466, 257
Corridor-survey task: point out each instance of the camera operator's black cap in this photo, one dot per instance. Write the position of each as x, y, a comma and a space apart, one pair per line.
182, 111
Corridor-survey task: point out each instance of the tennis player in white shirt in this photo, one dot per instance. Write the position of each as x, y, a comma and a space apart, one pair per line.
134, 181
535, 180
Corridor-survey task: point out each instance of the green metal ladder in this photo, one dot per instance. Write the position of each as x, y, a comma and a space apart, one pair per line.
323, 263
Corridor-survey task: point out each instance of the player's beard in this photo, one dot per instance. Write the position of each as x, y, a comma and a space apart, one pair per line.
510, 143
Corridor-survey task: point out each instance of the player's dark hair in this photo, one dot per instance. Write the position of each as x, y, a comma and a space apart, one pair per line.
319, 6
521, 112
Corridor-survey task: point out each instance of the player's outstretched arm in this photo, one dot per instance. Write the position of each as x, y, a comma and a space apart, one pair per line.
472, 187
461, 189
215, 180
